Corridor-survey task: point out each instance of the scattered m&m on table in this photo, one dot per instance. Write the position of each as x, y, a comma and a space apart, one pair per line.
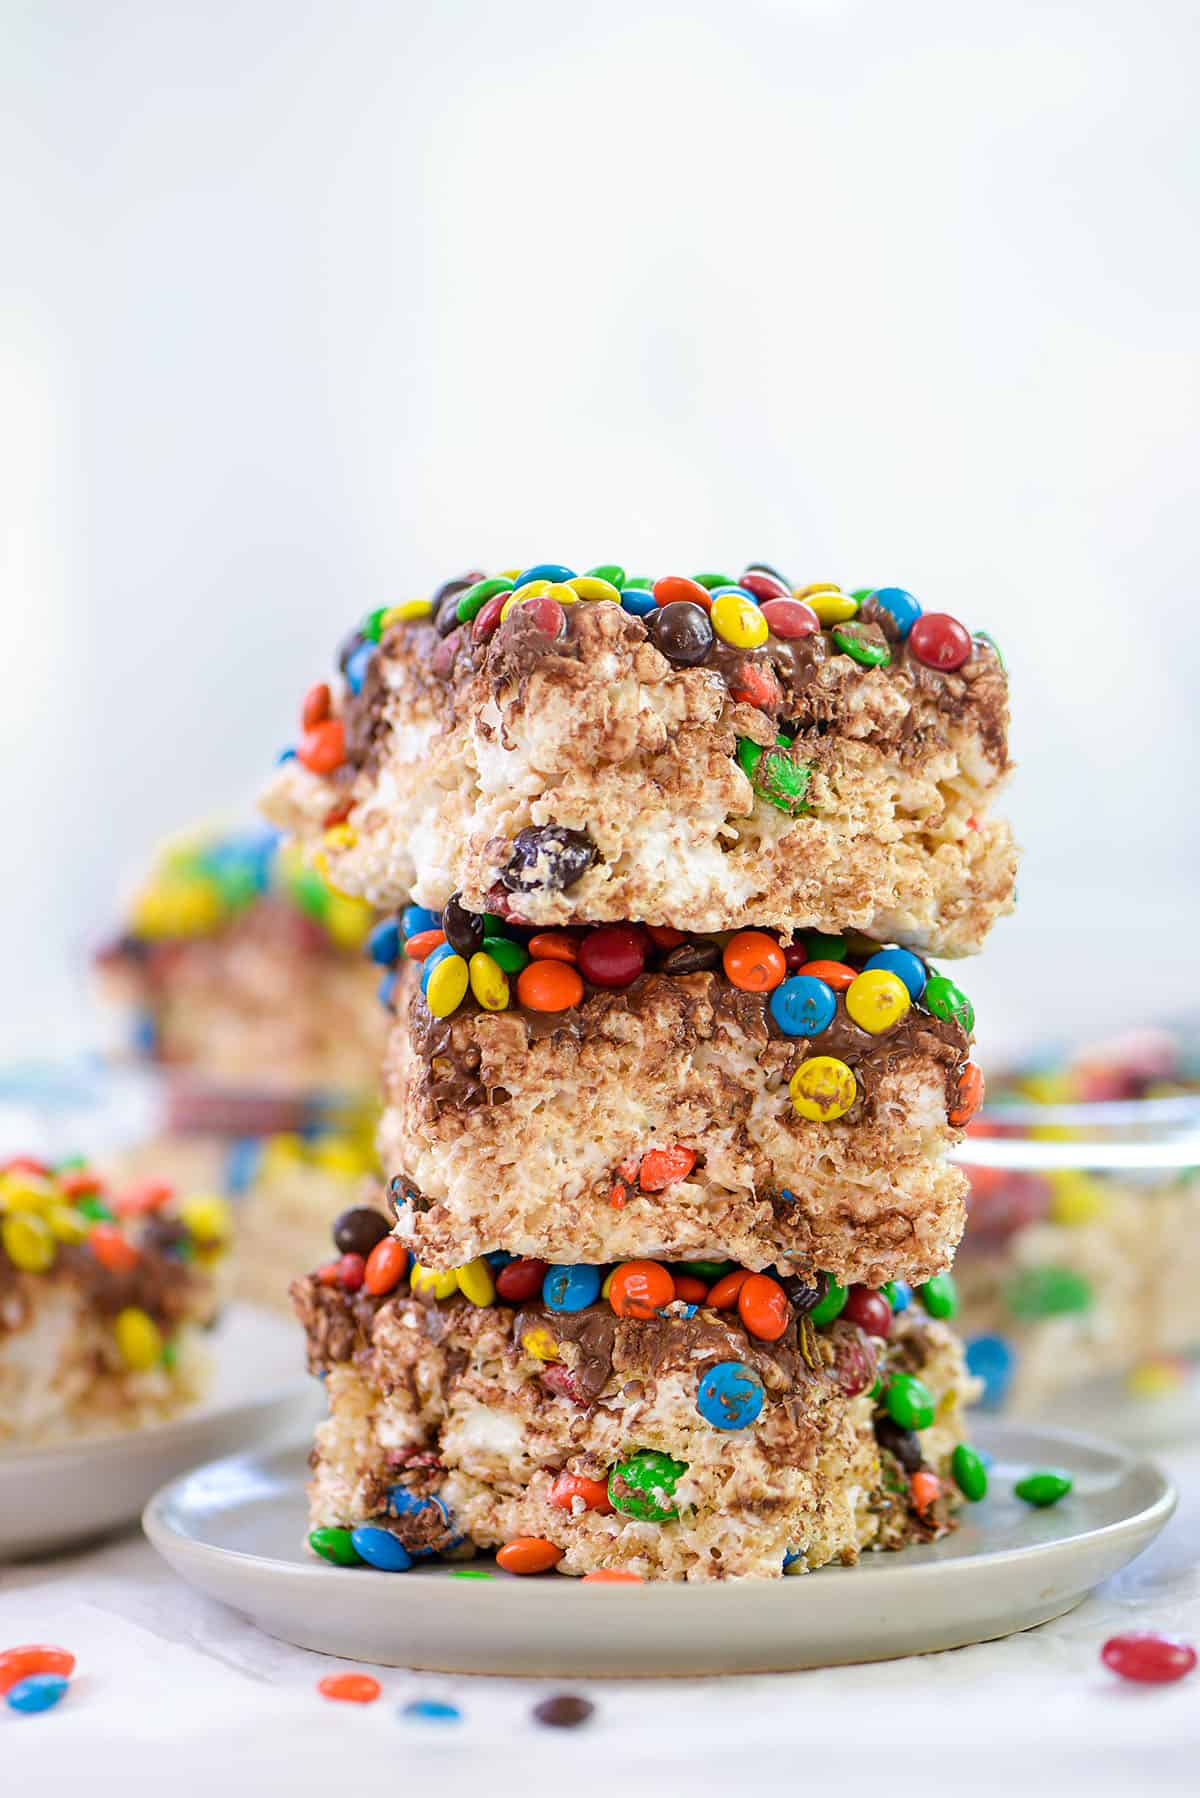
35, 1677
1148, 1659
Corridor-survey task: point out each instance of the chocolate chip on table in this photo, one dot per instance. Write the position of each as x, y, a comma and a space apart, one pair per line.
358, 1230
563, 1711
463, 929
548, 858
682, 632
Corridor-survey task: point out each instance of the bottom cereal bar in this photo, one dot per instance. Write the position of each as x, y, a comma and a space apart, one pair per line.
687, 1422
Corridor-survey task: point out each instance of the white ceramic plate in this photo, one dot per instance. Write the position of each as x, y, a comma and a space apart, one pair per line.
53, 1497
236, 1531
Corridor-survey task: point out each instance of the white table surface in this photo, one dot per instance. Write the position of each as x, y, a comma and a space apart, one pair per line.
175, 1694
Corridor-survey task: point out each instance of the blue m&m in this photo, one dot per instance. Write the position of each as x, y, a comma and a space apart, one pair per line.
434, 959
403, 1503
36, 1692
571, 1288
730, 1396
415, 918
991, 1359
380, 1548
639, 600
357, 663
905, 965
803, 1005
901, 607
383, 943
544, 571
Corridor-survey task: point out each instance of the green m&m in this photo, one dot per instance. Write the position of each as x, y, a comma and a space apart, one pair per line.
1043, 1488
940, 1295
948, 1002
831, 1305
335, 1545
909, 1402
644, 1485
970, 1474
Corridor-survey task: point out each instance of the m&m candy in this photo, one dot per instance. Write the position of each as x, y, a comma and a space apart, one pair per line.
803, 1005
947, 1001
939, 1295
831, 1305
528, 1554
877, 1000
380, 1549
991, 1359
753, 961
970, 1474
1043, 1488
1148, 1659
901, 608
640, 1289
350, 1688
643, 1486
571, 1288
909, 1402
36, 1692
823, 1088
904, 964
763, 1307
738, 620
940, 642
869, 1310
730, 1396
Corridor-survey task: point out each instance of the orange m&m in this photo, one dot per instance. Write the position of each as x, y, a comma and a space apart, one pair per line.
640, 1288
528, 1554
754, 962
763, 1307
112, 1248
549, 986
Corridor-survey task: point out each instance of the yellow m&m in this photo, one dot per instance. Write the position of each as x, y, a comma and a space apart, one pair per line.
540, 1344
823, 1088
876, 1000
406, 610
831, 605
138, 1338
207, 1216
488, 982
739, 621
475, 1281
437, 1286
28, 1241
591, 586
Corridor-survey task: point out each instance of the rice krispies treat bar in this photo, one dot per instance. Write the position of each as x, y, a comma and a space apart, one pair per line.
101, 1304
458, 1426
670, 1116
594, 763
1068, 1277
240, 965
289, 1193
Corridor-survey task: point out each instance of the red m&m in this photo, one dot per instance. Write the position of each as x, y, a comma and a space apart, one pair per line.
1150, 1659
940, 642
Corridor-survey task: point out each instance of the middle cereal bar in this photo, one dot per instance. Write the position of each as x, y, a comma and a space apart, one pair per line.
594, 1094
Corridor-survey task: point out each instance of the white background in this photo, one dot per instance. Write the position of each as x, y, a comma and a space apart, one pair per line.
308, 306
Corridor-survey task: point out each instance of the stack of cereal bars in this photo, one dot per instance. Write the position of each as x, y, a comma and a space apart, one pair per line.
670, 1083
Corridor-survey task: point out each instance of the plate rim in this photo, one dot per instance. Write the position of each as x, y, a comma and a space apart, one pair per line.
1153, 1516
